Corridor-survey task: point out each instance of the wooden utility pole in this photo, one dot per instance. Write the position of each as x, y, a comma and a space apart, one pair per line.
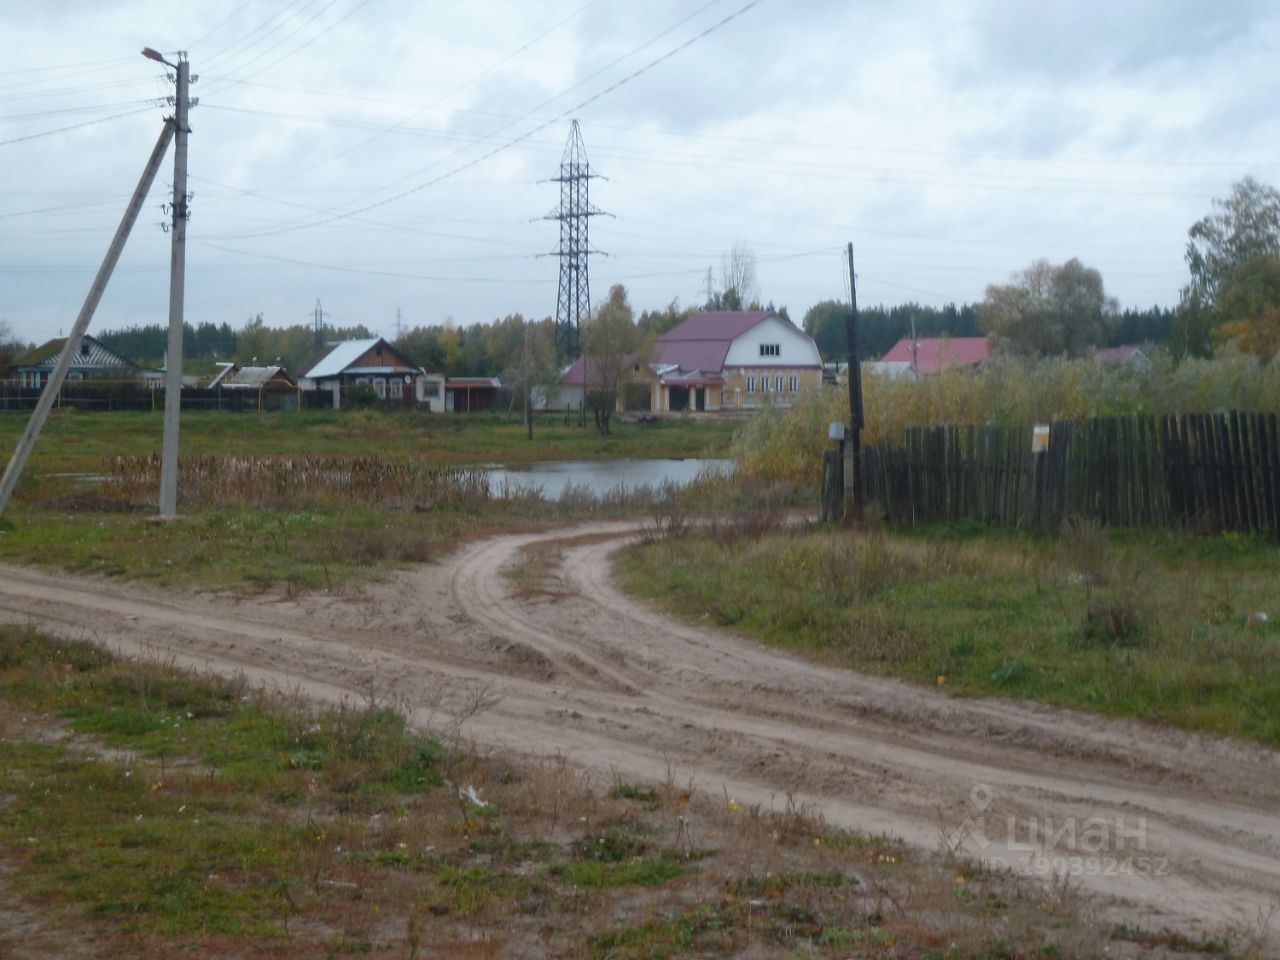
70, 349
177, 283
856, 420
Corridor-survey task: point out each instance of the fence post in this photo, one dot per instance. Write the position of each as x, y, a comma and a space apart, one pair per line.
831, 500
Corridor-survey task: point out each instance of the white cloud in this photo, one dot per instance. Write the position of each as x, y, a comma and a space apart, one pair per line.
951, 145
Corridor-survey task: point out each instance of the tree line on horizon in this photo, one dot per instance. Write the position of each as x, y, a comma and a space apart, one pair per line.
1232, 298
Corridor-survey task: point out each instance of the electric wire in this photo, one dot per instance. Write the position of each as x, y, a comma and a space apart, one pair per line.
512, 121
441, 99
244, 44
341, 268
289, 36
76, 126
519, 139
218, 26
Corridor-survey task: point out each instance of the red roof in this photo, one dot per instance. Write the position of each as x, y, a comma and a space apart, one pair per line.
719, 325
576, 375
933, 354
1117, 354
702, 342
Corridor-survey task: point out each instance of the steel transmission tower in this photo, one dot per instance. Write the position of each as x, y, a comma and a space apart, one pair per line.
573, 304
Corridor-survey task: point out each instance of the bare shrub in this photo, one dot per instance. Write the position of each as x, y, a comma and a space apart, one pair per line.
277, 481
747, 526
1083, 545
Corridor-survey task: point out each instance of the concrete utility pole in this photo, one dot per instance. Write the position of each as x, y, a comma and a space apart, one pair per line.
317, 317
70, 349
177, 284
856, 420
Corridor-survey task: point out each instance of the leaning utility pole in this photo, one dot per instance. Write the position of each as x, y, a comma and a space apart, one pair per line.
177, 281
573, 304
856, 419
71, 348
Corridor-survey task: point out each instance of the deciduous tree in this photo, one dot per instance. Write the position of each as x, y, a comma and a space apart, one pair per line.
1244, 228
1049, 310
1248, 307
612, 347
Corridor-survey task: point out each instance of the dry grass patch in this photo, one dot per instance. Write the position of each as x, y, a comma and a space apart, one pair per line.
157, 812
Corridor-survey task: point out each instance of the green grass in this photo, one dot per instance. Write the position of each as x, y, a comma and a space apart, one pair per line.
239, 547
79, 442
298, 540
1001, 613
147, 812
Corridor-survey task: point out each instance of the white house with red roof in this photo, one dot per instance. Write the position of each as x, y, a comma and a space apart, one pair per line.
723, 361
933, 355
736, 360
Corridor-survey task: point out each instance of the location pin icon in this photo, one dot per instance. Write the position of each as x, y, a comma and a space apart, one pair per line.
980, 797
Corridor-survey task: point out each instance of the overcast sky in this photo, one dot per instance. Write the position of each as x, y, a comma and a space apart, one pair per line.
386, 154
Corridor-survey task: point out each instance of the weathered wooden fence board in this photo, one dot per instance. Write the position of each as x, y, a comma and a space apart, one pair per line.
1206, 471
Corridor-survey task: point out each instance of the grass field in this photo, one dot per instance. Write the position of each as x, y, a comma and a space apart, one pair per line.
147, 812
295, 539
79, 442
1154, 626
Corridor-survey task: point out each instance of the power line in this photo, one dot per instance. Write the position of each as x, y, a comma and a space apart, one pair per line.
512, 122
441, 99
306, 43
406, 228
339, 268
243, 42
67, 110
218, 26
542, 126
68, 66
74, 126
807, 145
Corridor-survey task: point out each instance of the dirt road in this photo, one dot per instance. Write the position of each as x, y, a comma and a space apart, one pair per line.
1165, 828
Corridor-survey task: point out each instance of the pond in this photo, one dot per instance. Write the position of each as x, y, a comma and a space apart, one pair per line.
600, 476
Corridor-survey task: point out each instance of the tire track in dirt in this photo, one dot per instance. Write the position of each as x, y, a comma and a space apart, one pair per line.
618, 688
1058, 767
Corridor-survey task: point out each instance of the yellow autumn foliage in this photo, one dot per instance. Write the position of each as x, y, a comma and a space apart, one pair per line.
785, 446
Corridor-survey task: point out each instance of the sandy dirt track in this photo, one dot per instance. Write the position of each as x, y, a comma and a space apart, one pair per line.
1165, 828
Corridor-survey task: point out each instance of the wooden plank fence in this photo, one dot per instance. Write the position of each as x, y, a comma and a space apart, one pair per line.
1210, 472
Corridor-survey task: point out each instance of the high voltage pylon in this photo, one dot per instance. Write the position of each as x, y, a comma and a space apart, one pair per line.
573, 305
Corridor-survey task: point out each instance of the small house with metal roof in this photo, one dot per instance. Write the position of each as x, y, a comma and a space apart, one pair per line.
93, 360
373, 364
275, 378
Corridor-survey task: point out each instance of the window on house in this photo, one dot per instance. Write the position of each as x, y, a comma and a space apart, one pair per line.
778, 384
795, 384
770, 349
397, 390
751, 384
84, 349
764, 383
380, 387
